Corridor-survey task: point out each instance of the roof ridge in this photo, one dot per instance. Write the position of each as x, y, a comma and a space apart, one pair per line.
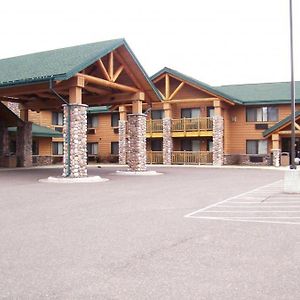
261, 83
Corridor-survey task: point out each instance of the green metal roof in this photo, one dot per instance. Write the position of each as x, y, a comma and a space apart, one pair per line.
281, 123
98, 110
40, 131
261, 93
195, 82
60, 64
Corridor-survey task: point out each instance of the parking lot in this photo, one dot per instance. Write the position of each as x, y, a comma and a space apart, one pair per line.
191, 233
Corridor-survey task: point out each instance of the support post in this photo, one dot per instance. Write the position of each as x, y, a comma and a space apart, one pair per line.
75, 135
167, 135
218, 134
276, 150
4, 139
137, 138
122, 135
24, 145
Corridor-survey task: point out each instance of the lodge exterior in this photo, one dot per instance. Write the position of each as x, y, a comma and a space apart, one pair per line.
169, 118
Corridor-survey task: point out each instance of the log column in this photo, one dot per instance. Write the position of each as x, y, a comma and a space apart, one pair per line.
137, 138
122, 135
167, 134
276, 150
75, 135
218, 134
24, 145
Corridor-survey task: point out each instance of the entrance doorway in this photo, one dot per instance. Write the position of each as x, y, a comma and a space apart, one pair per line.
286, 146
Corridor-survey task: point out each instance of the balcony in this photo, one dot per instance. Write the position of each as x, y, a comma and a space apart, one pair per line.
185, 127
182, 157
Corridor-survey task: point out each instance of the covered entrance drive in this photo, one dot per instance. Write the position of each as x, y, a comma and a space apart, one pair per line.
104, 73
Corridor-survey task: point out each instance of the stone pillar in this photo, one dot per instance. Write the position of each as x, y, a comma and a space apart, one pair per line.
167, 141
122, 142
122, 135
77, 154
276, 149
4, 139
24, 145
137, 142
218, 129
276, 157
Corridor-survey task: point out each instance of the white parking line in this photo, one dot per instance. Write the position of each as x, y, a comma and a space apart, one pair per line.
262, 210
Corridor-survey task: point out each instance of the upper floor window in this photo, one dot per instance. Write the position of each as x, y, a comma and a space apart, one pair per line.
190, 113
57, 118
115, 117
157, 114
210, 112
92, 121
262, 114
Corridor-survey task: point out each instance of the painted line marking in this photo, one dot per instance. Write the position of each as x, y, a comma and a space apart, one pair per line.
228, 199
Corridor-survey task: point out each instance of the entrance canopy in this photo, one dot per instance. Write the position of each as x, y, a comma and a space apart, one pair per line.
107, 73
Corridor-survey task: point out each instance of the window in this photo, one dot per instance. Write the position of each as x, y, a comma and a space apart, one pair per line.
210, 145
35, 148
92, 121
257, 147
156, 145
12, 147
57, 148
114, 148
92, 148
115, 117
190, 113
186, 145
262, 114
57, 118
157, 114
210, 112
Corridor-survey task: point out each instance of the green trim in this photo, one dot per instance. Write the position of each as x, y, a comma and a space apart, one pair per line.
281, 123
40, 131
195, 82
98, 110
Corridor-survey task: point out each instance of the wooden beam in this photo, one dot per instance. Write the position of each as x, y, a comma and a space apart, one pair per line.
297, 126
180, 86
127, 70
161, 94
193, 100
108, 84
103, 69
24, 89
137, 107
160, 77
288, 132
118, 72
96, 90
75, 95
167, 87
111, 65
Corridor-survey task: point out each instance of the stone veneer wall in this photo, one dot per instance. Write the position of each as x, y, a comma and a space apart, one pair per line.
38, 160
14, 107
24, 145
122, 142
167, 141
244, 159
78, 140
137, 142
218, 132
276, 157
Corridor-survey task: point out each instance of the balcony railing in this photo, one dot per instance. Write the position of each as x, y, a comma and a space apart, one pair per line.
192, 124
181, 125
154, 157
182, 157
154, 126
192, 157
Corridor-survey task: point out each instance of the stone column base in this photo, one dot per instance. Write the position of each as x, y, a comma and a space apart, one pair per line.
75, 158
137, 142
276, 157
122, 142
167, 141
218, 128
24, 145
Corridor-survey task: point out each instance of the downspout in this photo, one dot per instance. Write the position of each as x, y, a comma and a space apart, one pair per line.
69, 124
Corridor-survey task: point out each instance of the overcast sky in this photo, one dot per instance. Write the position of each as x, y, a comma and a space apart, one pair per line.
215, 41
